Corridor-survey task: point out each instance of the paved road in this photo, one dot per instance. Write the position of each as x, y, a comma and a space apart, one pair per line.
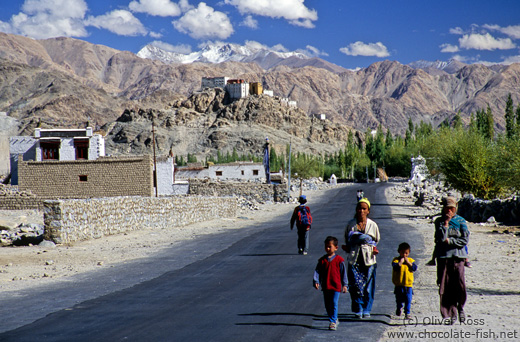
257, 289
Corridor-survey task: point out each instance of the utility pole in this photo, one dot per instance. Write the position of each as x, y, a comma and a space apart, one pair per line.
154, 158
289, 174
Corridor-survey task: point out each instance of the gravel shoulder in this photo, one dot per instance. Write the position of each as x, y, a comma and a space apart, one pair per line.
492, 306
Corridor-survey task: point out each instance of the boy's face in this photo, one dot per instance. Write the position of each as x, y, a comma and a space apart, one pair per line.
330, 248
404, 253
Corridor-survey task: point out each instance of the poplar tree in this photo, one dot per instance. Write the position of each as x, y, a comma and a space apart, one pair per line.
510, 118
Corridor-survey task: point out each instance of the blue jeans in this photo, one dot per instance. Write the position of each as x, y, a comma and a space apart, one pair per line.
303, 240
362, 298
403, 295
331, 299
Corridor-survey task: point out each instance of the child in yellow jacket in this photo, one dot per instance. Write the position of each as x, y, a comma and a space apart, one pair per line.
402, 276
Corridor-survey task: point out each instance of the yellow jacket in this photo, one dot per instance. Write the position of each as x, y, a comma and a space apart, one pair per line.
403, 275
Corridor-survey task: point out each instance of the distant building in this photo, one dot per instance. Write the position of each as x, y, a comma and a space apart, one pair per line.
256, 88
319, 116
55, 144
238, 171
237, 89
268, 92
214, 82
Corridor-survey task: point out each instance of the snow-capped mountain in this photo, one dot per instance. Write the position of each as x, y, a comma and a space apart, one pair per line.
451, 66
219, 52
214, 53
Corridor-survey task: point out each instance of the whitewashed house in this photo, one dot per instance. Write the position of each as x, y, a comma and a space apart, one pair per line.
55, 144
238, 171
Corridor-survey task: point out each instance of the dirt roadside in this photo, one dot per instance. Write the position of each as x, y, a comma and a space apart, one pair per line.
492, 306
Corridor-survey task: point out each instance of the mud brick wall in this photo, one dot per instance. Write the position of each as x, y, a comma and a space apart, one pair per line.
13, 199
104, 177
252, 191
70, 220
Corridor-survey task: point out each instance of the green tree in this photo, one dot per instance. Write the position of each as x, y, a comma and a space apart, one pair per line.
510, 118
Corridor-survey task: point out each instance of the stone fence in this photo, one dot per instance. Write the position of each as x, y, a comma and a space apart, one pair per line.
72, 220
252, 191
477, 210
13, 199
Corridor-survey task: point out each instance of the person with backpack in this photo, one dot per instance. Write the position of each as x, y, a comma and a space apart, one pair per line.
303, 219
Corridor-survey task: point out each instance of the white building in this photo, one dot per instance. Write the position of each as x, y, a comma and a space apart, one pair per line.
55, 144
268, 92
214, 82
239, 171
237, 90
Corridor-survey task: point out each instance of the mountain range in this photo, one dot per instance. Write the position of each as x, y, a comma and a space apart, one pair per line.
62, 82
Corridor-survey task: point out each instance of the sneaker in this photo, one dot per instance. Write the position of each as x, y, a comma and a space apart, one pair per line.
332, 326
398, 312
366, 315
431, 263
358, 315
467, 264
304, 253
300, 251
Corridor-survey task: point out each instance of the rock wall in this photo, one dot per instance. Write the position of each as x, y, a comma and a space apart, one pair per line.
476, 210
252, 191
13, 199
72, 220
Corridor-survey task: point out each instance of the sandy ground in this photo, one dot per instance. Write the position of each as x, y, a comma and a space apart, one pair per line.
492, 306
493, 282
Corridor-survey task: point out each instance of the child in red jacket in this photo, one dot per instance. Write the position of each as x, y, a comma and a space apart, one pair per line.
332, 275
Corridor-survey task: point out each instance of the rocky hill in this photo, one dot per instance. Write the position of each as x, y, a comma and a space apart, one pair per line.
208, 122
65, 82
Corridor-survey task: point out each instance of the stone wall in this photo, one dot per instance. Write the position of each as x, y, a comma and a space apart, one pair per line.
13, 199
72, 220
476, 210
252, 191
104, 177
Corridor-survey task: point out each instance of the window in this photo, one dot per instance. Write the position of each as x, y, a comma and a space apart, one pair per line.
81, 146
242, 172
255, 172
218, 173
82, 178
50, 150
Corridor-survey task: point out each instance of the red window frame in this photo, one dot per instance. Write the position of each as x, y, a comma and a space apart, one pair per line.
50, 150
81, 147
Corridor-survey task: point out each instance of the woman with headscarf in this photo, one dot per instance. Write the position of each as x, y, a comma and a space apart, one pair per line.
361, 238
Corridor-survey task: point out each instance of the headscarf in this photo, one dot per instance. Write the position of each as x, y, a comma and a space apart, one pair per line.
365, 200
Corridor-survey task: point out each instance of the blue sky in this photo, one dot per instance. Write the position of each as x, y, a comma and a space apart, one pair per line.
351, 34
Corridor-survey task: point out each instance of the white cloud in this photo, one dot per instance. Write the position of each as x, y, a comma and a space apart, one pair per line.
312, 51
512, 59
449, 48
485, 42
362, 49
162, 8
457, 30
253, 45
512, 31
120, 22
292, 10
181, 48
204, 22
156, 35
250, 22
42, 19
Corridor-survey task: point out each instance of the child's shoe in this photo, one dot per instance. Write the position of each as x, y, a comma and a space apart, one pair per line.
407, 316
467, 264
398, 312
332, 326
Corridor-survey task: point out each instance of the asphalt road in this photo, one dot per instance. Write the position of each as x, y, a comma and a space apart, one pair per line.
247, 287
